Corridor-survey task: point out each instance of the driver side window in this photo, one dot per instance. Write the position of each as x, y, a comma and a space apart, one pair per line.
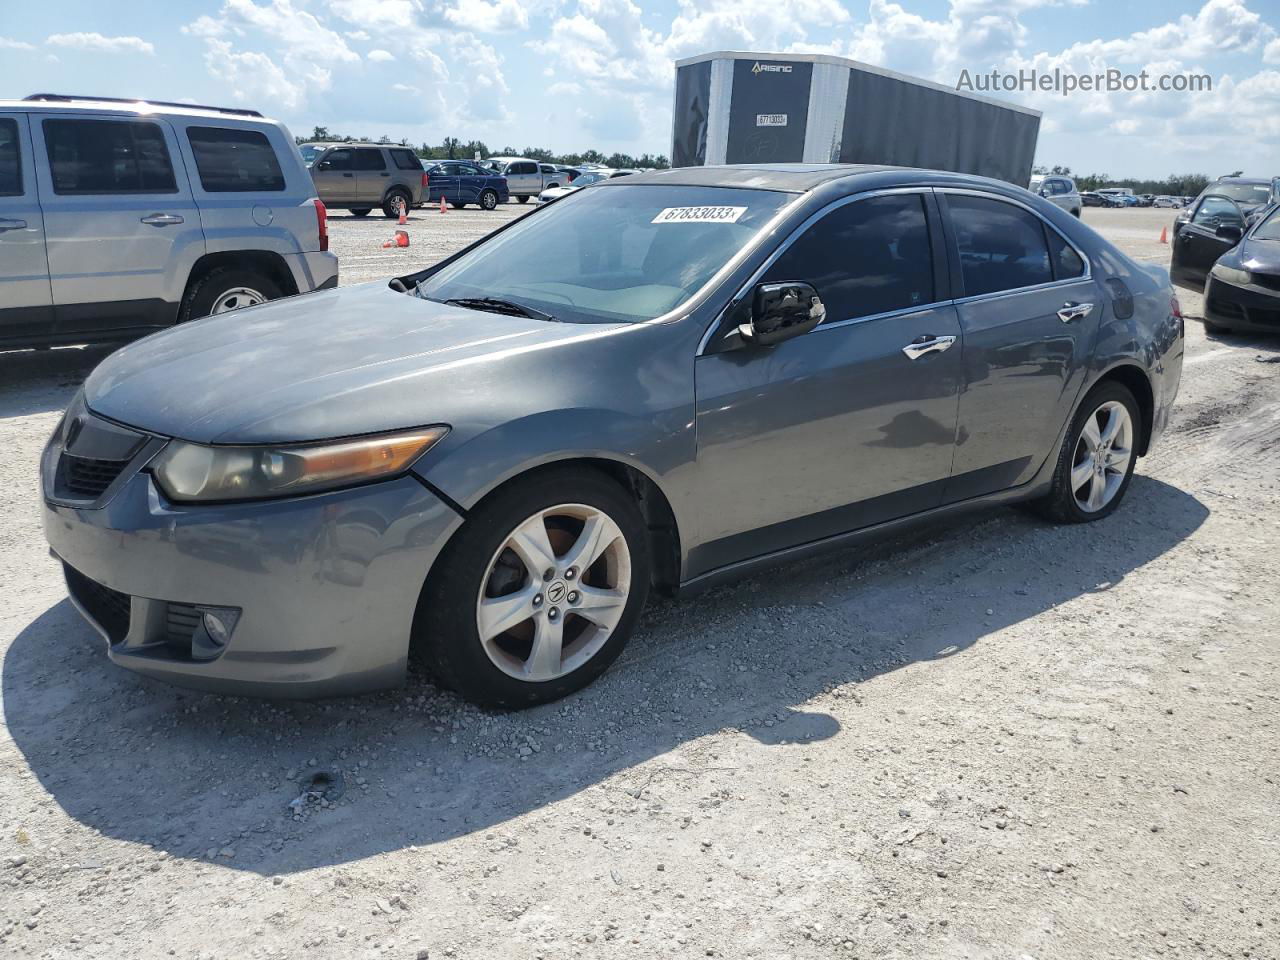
867, 257
1216, 211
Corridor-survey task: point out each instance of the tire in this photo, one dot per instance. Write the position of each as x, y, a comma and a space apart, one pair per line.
477, 565
390, 206
1076, 213
362, 212
1214, 329
457, 204
524, 198
1062, 504
210, 290
488, 200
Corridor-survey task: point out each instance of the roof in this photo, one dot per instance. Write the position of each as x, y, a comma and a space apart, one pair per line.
852, 65
787, 177
71, 104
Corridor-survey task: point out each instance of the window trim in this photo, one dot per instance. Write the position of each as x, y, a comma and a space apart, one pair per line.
17, 146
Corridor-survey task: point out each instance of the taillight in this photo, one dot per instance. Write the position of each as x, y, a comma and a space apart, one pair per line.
424, 181
322, 223
1175, 308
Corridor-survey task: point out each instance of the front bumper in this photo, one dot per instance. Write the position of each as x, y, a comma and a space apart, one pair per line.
1251, 307
326, 586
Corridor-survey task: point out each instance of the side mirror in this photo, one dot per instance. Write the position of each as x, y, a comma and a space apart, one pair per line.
780, 311
1230, 231
323, 165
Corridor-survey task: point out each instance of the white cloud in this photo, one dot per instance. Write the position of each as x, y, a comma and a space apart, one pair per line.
98, 43
377, 13
488, 16
7, 44
1272, 52
380, 56
254, 78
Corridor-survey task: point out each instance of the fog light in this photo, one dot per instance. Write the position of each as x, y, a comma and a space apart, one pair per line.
216, 625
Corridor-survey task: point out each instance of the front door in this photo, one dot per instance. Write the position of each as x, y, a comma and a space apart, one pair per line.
26, 302
335, 177
1030, 315
1198, 245
851, 424
122, 228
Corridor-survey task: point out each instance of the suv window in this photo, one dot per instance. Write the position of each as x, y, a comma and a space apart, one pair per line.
338, 159
405, 159
1002, 247
10, 160
369, 159
867, 257
231, 160
108, 156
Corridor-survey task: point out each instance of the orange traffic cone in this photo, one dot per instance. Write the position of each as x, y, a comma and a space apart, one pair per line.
443, 208
404, 213
402, 238
1164, 234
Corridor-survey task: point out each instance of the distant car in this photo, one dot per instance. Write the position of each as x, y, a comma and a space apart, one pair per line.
1252, 194
1243, 287
362, 176
578, 182
1091, 199
1166, 202
1146, 199
122, 217
1216, 226
526, 178
460, 182
1060, 191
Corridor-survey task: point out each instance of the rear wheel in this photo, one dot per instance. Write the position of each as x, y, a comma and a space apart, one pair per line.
488, 200
538, 593
362, 212
391, 205
1095, 464
225, 289
457, 204
524, 198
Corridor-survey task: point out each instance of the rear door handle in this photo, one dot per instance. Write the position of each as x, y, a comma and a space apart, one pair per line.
348, 174
163, 219
928, 343
7, 224
1074, 311
385, 174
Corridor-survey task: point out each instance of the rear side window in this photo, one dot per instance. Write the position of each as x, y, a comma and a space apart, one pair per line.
10, 160
369, 160
405, 159
108, 156
1066, 262
867, 257
234, 161
1002, 247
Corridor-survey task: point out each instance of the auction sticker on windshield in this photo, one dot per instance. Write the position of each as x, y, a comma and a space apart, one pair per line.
699, 215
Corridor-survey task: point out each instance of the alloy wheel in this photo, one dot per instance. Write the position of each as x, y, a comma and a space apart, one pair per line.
553, 592
1102, 456
237, 298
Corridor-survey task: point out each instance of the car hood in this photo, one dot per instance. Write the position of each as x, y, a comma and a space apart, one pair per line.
1256, 256
357, 360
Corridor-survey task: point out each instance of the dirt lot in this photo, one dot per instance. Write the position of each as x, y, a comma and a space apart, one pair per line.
999, 739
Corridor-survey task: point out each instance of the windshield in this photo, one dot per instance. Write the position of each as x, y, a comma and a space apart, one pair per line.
614, 254
1242, 192
582, 179
1268, 229
310, 152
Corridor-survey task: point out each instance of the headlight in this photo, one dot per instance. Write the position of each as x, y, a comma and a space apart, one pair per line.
193, 471
1231, 274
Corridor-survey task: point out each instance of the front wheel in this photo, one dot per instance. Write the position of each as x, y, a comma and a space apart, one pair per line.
1095, 464
457, 204
488, 200
538, 592
524, 198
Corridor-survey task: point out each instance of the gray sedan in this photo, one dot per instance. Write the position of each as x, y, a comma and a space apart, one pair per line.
657, 384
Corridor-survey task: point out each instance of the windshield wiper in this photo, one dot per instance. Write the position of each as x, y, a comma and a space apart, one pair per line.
498, 305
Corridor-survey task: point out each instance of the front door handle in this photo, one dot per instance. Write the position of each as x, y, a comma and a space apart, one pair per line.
1074, 311
928, 343
348, 174
163, 219
7, 224
385, 174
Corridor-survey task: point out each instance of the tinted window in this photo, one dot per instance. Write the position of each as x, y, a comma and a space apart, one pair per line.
108, 156
1002, 247
1242, 192
1060, 187
10, 160
448, 169
1269, 229
864, 258
1066, 262
522, 168
405, 159
1215, 211
231, 161
470, 170
338, 159
369, 160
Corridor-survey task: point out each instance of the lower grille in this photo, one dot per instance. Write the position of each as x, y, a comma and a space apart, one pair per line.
1226, 308
109, 608
181, 621
87, 478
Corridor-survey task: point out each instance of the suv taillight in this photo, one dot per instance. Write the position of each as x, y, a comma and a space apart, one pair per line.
322, 223
424, 181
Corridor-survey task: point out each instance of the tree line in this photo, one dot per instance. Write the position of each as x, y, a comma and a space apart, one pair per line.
455, 149
1174, 185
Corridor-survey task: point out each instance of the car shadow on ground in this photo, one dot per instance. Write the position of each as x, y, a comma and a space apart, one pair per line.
207, 777
36, 381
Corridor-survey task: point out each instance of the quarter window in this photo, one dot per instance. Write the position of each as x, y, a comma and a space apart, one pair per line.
369, 160
108, 156
10, 160
1002, 247
1066, 262
864, 258
405, 159
234, 161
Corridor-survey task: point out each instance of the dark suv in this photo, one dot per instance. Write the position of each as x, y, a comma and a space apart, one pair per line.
361, 176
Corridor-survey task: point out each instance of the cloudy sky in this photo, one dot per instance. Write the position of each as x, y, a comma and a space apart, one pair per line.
572, 74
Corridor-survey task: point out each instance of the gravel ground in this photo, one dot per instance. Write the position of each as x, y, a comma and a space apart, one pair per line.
996, 739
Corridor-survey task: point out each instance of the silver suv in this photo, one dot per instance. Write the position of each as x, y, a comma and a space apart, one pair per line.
1060, 191
361, 176
118, 217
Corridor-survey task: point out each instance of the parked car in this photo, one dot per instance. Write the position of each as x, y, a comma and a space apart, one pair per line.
1060, 191
490, 462
526, 178
1146, 200
1243, 287
1165, 201
1091, 199
363, 176
461, 182
120, 217
1218, 224
1251, 194
578, 182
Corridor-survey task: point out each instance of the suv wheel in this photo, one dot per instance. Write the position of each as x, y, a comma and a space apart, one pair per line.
523, 198
489, 200
457, 204
391, 205
362, 212
538, 592
225, 289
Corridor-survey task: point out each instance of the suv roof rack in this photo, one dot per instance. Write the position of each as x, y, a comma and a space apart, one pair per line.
68, 97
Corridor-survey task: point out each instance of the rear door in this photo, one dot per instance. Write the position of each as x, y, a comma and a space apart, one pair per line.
373, 176
471, 180
122, 229
1029, 312
1198, 245
335, 177
26, 302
